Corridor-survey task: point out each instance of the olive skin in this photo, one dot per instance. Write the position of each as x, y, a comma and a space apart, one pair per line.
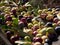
49, 24
49, 9
48, 41
57, 30
37, 39
20, 16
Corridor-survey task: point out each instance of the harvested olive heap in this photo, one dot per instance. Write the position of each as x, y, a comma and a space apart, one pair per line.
27, 25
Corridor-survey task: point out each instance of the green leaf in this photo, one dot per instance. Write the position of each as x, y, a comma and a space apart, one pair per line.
5, 27
15, 22
1, 16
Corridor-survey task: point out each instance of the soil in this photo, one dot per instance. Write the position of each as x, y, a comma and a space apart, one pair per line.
56, 42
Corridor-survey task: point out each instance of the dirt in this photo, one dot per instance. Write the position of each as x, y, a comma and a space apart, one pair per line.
57, 42
4, 39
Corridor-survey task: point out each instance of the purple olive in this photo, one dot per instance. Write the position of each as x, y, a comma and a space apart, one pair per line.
37, 39
24, 20
8, 18
47, 41
55, 20
57, 29
20, 16
21, 25
34, 33
14, 38
29, 20
52, 36
49, 24
9, 34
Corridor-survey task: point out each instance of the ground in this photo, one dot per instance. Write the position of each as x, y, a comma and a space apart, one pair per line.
57, 42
